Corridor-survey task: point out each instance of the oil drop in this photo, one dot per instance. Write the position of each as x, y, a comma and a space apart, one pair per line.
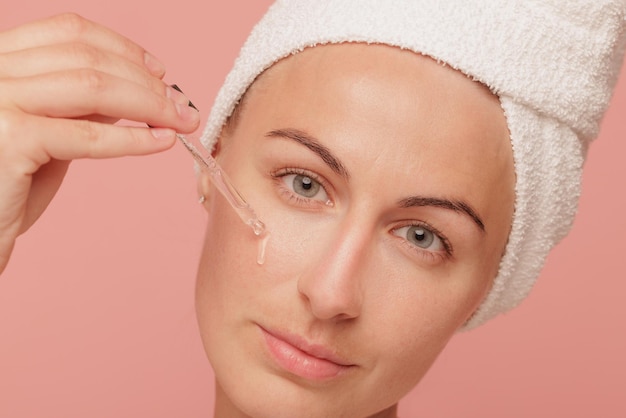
207, 163
263, 238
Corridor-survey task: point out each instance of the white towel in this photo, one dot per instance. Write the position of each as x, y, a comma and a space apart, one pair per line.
552, 63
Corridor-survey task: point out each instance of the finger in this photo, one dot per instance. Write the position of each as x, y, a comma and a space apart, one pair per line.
45, 183
84, 92
68, 28
37, 140
14, 192
7, 242
86, 139
18, 214
70, 56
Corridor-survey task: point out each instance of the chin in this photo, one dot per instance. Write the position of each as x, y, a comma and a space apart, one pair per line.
280, 398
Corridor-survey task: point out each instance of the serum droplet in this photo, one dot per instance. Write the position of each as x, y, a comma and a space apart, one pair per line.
260, 258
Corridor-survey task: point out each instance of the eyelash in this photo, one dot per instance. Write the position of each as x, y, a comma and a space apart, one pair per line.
433, 256
297, 199
292, 198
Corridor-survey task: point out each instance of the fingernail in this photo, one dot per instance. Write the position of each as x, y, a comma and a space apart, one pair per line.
175, 87
162, 133
176, 96
154, 65
187, 113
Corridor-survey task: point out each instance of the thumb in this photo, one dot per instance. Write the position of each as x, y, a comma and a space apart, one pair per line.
45, 184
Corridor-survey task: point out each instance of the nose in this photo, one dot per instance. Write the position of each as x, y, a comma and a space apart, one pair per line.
334, 288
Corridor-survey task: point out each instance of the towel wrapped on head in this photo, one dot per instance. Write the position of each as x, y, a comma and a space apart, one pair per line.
552, 63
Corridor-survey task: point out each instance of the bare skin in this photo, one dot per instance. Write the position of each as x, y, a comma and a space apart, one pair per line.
64, 82
344, 277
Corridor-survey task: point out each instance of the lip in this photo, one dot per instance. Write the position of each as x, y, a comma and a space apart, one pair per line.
302, 358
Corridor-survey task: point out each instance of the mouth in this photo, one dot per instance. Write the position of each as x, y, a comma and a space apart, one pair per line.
304, 359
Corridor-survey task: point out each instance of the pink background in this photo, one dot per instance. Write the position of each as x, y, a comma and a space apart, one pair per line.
96, 306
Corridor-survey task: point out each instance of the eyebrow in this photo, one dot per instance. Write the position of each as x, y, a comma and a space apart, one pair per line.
454, 205
337, 166
314, 145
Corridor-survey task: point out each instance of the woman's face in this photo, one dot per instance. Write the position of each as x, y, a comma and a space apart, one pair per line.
386, 182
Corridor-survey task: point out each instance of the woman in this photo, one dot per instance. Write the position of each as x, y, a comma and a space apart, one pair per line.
306, 146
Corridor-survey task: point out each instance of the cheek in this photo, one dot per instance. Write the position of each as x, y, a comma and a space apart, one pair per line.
405, 323
227, 265
405, 346
411, 323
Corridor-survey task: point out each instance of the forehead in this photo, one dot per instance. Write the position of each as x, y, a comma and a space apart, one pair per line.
365, 70
380, 105
400, 90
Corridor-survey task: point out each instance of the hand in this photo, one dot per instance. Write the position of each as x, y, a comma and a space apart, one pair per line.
64, 81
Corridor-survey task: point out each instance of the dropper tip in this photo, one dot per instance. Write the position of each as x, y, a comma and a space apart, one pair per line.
257, 226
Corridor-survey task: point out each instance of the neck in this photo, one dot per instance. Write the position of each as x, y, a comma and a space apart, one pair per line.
224, 407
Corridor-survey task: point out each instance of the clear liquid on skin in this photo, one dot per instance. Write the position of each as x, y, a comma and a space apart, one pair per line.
263, 238
261, 232
227, 189
230, 193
